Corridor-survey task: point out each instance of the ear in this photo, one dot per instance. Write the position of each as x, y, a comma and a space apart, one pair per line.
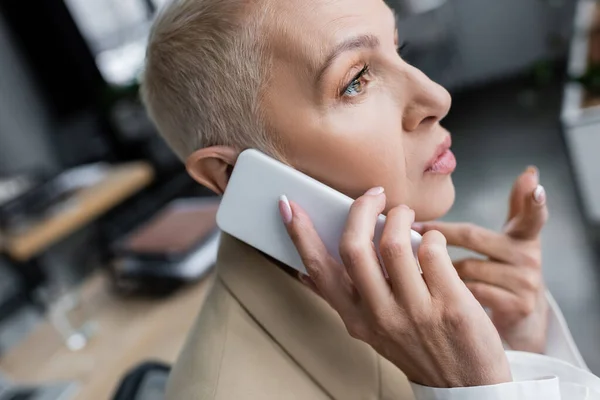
212, 166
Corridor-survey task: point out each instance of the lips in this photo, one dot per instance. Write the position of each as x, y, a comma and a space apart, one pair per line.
443, 162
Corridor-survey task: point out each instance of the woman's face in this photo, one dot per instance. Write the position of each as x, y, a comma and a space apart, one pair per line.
350, 112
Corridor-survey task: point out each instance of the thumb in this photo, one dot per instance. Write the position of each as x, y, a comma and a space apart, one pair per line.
528, 223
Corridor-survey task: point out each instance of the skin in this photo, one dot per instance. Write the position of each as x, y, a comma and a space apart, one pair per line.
429, 325
382, 130
381, 133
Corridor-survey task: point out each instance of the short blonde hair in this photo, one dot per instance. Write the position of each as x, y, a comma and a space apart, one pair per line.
205, 74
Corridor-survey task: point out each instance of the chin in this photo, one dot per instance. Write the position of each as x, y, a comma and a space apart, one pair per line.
437, 203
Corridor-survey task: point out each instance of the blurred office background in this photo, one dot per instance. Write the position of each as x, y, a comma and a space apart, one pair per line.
87, 187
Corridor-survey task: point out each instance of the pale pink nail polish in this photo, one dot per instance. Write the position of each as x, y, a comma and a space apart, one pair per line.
539, 194
285, 210
376, 191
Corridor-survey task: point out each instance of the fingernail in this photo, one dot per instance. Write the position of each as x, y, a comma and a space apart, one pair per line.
533, 171
539, 194
285, 210
376, 191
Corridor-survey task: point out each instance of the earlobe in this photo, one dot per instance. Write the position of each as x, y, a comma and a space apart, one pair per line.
211, 166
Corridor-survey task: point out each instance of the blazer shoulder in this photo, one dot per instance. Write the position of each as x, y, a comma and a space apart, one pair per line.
229, 356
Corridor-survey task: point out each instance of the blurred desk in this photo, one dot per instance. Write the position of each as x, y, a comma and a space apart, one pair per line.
121, 182
86, 205
130, 331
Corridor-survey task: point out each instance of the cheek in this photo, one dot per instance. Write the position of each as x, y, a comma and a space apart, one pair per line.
358, 147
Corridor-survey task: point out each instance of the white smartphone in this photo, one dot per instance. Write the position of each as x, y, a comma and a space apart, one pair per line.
249, 209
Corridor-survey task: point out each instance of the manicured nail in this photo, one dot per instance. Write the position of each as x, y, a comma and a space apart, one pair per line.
539, 194
285, 210
376, 191
533, 171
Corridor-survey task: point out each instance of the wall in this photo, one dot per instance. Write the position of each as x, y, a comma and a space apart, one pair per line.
489, 39
500, 37
25, 124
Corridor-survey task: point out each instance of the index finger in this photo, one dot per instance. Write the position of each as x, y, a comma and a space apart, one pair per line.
529, 222
472, 237
323, 270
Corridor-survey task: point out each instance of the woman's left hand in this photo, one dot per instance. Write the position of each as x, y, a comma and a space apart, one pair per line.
509, 282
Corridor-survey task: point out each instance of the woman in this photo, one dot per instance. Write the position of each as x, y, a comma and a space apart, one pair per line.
320, 85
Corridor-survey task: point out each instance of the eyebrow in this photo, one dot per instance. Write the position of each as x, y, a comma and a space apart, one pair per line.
355, 43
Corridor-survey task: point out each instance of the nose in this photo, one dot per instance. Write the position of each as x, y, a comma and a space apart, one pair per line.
427, 103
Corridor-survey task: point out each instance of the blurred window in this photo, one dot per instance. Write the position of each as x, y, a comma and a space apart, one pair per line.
116, 31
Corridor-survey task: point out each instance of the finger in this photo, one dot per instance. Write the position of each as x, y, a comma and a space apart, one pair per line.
439, 273
357, 251
529, 222
493, 297
523, 185
472, 237
510, 278
396, 253
321, 267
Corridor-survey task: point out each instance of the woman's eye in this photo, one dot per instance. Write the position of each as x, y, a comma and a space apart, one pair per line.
357, 85
355, 88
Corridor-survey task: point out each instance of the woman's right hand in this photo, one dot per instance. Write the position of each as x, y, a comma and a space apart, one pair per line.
430, 326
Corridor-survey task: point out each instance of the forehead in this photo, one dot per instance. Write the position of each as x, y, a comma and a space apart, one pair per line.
305, 30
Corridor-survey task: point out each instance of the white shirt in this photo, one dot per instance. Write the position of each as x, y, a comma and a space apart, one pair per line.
560, 374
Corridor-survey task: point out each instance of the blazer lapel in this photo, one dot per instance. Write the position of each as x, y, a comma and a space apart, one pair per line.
300, 322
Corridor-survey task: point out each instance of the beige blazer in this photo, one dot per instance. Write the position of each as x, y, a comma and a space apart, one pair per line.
262, 335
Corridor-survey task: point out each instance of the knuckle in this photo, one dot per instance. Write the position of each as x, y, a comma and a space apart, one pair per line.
351, 252
429, 252
526, 307
420, 319
356, 330
312, 262
531, 258
455, 319
382, 321
531, 282
418, 313
392, 248
470, 233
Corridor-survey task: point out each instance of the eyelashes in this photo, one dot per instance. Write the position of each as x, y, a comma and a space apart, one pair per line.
356, 85
401, 49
